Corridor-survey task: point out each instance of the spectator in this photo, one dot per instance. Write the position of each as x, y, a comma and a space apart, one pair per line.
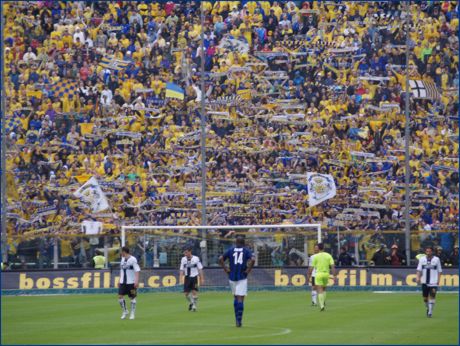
381, 256
30, 56
345, 259
453, 258
442, 255
396, 258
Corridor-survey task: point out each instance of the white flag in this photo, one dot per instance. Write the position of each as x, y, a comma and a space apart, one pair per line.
92, 195
320, 188
91, 227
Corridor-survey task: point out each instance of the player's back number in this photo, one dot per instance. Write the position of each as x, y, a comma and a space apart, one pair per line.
238, 257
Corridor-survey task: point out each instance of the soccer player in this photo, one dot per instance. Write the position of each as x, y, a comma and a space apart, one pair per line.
191, 268
241, 261
323, 263
429, 274
314, 292
129, 281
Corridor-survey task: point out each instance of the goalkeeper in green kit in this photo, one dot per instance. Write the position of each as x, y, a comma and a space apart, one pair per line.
323, 264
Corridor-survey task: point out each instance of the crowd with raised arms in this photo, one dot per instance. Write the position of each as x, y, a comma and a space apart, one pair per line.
290, 87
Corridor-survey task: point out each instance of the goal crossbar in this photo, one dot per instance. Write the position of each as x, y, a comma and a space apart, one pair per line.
235, 227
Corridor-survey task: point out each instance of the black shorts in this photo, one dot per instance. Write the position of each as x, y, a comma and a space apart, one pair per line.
190, 284
127, 289
313, 281
427, 289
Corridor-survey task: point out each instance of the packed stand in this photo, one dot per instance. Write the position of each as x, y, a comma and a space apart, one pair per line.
291, 87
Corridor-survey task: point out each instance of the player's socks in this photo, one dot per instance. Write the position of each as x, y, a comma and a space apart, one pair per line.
123, 304
235, 308
123, 308
189, 300
314, 297
321, 300
430, 307
194, 301
239, 314
133, 306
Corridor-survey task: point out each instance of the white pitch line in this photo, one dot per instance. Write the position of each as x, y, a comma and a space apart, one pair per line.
413, 292
282, 331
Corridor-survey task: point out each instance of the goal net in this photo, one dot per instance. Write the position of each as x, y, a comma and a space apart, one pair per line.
272, 245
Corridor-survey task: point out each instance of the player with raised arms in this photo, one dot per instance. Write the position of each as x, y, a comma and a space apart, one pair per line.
241, 261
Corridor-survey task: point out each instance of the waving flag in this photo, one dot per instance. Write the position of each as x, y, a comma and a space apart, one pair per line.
320, 188
114, 64
92, 195
65, 87
424, 89
12, 124
174, 91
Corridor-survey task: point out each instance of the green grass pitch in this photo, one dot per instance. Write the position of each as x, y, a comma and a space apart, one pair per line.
270, 317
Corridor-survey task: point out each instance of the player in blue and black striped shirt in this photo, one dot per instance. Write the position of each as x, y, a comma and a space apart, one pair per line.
241, 261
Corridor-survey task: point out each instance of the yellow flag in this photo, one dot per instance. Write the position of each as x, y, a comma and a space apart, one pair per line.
83, 178
245, 94
86, 128
11, 190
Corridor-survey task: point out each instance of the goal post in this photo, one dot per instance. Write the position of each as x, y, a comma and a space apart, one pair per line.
265, 240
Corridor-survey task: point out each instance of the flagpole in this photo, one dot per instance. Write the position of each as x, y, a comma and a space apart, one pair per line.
407, 201
204, 255
4, 247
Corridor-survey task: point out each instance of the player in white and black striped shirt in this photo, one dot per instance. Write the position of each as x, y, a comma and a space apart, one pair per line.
429, 274
190, 269
129, 282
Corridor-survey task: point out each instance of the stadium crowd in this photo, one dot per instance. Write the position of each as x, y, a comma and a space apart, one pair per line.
291, 87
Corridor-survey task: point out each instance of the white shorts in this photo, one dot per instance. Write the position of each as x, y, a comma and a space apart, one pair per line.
239, 288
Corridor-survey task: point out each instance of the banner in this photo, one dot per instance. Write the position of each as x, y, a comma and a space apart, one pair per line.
320, 188
92, 195
129, 134
233, 100
44, 211
373, 206
374, 78
380, 109
343, 50
361, 154
444, 168
215, 277
233, 44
